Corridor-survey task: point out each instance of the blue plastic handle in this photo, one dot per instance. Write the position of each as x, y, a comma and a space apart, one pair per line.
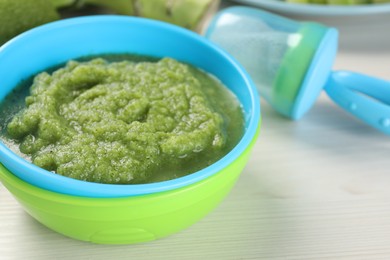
366, 97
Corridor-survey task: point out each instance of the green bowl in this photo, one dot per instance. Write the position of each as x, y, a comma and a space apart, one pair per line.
122, 214
125, 220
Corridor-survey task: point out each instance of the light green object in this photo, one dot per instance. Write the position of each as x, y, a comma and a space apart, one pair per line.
191, 14
348, 2
337, 2
17, 16
185, 13
299, 1
125, 7
294, 66
318, 1
61, 3
130, 219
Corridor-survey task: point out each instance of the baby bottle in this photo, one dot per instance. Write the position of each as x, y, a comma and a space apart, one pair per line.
291, 62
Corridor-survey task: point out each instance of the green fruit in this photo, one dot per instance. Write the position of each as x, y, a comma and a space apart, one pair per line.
124, 7
191, 14
62, 3
348, 2
17, 16
338, 2
318, 2
299, 1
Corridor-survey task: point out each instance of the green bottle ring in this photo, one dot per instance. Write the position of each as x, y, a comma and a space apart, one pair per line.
294, 67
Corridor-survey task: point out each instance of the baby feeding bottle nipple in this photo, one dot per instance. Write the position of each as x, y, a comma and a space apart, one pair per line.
291, 62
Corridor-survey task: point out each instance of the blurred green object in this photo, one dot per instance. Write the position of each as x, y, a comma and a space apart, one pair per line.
17, 16
339, 2
61, 3
125, 7
191, 14
348, 2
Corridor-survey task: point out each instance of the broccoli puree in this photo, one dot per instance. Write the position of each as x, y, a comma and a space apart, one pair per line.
121, 122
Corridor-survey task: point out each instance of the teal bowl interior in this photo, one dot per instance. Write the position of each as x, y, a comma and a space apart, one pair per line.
58, 42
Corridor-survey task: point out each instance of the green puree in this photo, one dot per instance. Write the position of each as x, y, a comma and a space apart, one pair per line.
126, 121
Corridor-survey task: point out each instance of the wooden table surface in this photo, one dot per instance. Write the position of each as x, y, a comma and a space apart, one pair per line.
318, 188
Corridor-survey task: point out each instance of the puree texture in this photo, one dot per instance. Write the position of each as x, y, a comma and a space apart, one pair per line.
126, 122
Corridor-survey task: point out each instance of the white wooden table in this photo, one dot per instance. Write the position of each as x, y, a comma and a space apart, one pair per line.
314, 189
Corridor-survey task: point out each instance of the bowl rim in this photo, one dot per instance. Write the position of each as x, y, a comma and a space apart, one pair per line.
91, 189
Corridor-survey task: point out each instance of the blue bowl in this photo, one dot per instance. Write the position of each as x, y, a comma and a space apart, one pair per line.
58, 42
